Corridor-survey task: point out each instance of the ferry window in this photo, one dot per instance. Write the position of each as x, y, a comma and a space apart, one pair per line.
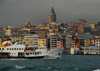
96, 49
2, 48
91, 49
17, 48
86, 49
27, 53
33, 53
22, 48
7, 49
30, 53
12, 48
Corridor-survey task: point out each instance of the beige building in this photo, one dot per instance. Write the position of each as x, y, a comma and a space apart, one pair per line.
17, 37
53, 41
9, 32
31, 39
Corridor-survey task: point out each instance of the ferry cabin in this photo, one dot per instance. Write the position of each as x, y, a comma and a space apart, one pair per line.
14, 50
36, 52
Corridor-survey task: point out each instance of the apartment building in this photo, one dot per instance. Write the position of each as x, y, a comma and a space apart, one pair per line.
16, 37
31, 39
96, 41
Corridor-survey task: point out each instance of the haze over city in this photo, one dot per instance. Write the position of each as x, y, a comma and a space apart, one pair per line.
16, 12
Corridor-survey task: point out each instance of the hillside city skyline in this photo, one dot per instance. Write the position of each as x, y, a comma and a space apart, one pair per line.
15, 13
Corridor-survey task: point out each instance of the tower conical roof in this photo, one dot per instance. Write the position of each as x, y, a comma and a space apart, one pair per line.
52, 10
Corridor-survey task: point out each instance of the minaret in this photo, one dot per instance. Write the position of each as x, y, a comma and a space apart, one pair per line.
52, 15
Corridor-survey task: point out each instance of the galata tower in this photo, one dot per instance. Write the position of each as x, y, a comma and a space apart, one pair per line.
52, 16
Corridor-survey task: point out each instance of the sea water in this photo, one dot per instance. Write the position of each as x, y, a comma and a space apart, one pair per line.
66, 63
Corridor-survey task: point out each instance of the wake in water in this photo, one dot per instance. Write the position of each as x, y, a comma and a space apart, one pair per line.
97, 70
19, 67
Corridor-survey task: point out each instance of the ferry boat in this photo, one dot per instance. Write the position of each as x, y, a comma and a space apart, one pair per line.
20, 50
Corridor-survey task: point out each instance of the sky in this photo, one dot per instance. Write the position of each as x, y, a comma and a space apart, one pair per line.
16, 12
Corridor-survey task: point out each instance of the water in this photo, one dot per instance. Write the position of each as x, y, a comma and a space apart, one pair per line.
67, 63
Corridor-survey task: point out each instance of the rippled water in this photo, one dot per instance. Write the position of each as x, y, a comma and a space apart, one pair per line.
67, 63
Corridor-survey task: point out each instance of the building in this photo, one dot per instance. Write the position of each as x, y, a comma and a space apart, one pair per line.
68, 40
52, 16
73, 43
53, 41
9, 31
1, 40
86, 43
92, 25
2, 32
60, 44
42, 42
96, 41
84, 29
31, 39
16, 37
82, 37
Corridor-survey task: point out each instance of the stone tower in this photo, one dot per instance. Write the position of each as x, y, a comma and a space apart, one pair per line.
52, 15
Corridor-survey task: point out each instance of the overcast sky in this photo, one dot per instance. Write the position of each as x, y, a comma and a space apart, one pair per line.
16, 12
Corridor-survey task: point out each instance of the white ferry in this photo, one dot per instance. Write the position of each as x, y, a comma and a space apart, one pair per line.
20, 50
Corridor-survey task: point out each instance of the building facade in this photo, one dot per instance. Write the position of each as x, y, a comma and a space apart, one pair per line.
31, 39
42, 42
16, 37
